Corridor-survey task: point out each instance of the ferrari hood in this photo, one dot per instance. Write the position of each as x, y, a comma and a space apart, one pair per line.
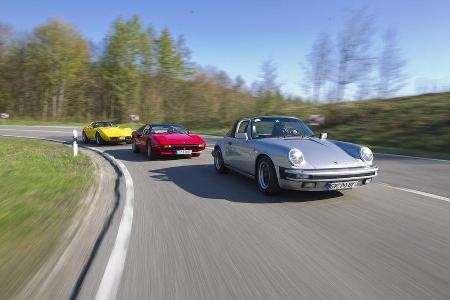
116, 131
178, 139
321, 154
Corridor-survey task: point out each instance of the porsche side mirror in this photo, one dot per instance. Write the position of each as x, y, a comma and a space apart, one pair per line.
323, 135
242, 136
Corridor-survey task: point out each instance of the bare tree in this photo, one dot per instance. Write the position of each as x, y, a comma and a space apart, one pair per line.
269, 78
318, 66
390, 66
353, 47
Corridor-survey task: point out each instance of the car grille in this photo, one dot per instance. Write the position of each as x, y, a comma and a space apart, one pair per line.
341, 176
186, 147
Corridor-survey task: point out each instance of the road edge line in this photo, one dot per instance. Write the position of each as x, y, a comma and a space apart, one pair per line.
434, 196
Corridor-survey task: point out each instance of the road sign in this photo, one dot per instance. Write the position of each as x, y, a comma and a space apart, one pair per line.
4, 116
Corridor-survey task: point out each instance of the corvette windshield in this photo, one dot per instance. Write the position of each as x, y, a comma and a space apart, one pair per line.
271, 127
167, 129
105, 124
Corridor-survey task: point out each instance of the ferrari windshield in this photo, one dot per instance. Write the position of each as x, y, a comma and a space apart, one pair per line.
167, 129
271, 127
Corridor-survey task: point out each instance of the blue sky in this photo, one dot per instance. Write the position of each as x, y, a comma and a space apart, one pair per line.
237, 36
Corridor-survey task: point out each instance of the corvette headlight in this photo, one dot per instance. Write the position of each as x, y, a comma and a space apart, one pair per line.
366, 154
296, 157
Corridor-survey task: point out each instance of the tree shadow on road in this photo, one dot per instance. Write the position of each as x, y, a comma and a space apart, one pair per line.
204, 182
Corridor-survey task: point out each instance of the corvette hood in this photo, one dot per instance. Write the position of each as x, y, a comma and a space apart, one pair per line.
116, 131
321, 154
178, 139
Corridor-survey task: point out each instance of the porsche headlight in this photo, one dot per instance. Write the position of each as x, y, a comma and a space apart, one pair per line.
296, 157
366, 154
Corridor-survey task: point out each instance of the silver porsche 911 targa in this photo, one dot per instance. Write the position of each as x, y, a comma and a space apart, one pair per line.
283, 153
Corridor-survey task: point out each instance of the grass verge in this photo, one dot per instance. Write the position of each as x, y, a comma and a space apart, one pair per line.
40, 190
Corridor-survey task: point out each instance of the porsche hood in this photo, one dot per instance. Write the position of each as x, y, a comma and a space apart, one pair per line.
320, 154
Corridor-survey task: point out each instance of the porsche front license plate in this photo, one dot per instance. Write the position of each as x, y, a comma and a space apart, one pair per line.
121, 138
184, 152
342, 185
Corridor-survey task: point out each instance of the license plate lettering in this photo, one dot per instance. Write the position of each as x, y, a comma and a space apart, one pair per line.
342, 185
184, 152
121, 138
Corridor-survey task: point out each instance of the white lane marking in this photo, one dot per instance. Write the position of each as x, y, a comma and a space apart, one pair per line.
210, 148
413, 157
116, 263
35, 130
33, 138
416, 192
113, 273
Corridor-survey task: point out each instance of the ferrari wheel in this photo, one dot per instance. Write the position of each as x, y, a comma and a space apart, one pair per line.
196, 155
134, 147
84, 138
98, 139
266, 177
219, 165
150, 154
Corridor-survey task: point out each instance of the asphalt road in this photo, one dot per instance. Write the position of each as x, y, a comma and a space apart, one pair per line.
200, 235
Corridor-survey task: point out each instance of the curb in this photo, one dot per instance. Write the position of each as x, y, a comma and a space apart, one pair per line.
111, 278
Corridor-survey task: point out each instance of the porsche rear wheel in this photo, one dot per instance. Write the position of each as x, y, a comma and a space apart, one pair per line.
219, 165
98, 139
266, 176
134, 146
150, 154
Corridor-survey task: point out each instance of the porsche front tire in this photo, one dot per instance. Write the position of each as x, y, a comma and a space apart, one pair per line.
266, 177
219, 164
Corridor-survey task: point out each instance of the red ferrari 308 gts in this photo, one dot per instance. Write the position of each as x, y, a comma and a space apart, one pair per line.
166, 140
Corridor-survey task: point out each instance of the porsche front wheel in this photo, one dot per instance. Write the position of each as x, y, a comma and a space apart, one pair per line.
266, 176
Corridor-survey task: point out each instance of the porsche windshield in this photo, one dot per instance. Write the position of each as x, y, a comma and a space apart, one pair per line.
272, 127
167, 129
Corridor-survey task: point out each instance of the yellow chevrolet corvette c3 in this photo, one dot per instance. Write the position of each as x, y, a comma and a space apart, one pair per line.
105, 132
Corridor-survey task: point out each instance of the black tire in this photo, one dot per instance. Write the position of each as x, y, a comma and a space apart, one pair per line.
219, 164
134, 147
196, 155
99, 140
84, 138
150, 154
266, 177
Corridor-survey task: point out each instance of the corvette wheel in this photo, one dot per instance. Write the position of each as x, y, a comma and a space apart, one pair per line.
266, 177
150, 154
134, 147
98, 139
84, 138
219, 165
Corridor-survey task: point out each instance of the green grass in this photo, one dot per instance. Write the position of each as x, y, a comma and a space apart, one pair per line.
40, 189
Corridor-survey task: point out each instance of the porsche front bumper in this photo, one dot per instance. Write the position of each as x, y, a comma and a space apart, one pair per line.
322, 179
